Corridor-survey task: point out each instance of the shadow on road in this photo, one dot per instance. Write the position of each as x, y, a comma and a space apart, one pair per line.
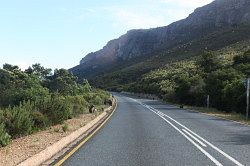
237, 139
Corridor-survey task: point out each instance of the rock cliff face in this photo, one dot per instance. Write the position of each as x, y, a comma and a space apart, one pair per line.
136, 43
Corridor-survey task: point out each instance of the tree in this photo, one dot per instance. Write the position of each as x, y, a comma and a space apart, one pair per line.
10, 67
62, 82
18, 86
209, 62
234, 96
242, 59
86, 86
217, 81
190, 90
39, 71
242, 63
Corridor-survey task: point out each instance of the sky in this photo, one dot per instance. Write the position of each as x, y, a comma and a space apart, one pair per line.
59, 33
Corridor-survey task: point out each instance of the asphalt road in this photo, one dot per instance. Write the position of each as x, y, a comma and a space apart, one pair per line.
151, 133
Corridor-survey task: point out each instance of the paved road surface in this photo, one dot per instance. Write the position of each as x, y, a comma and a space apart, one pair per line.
151, 133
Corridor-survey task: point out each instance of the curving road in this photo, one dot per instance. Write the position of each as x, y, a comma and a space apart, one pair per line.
151, 133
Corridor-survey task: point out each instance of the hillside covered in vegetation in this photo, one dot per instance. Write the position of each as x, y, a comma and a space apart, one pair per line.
34, 99
212, 27
223, 78
206, 53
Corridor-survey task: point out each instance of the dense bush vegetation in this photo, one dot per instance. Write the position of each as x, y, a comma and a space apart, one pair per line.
34, 99
4, 136
190, 81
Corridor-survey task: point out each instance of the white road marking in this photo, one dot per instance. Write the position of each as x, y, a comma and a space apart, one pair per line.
159, 113
210, 144
216, 162
196, 139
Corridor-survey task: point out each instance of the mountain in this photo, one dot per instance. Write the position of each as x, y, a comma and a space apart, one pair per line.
211, 27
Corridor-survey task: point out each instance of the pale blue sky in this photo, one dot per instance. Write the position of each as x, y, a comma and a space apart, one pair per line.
58, 33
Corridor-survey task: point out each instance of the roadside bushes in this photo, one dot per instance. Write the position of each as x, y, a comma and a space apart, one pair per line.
78, 104
17, 86
34, 99
234, 96
32, 116
4, 136
55, 108
18, 120
189, 82
96, 98
40, 120
225, 87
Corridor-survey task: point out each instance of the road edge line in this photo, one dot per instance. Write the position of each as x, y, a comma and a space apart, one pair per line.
193, 110
88, 137
213, 159
204, 140
50, 152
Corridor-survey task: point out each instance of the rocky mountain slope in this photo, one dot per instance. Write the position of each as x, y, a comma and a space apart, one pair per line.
212, 27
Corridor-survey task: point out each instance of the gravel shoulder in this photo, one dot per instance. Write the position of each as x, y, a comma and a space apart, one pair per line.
25, 147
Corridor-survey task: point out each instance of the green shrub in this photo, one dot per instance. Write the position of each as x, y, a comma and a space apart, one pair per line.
18, 86
97, 100
18, 120
242, 59
234, 96
4, 136
56, 108
2, 116
78, 104
65, 127
40, 120
36, 98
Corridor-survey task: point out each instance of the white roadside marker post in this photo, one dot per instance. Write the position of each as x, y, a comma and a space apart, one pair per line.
247, 109
208, 98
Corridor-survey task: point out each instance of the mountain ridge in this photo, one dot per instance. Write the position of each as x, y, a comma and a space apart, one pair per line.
220, 15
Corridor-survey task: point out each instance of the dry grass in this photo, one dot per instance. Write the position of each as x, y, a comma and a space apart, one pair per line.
230, 116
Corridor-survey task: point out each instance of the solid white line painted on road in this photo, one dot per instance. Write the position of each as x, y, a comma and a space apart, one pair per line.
216, 162
210, 144
159, 113
196, 139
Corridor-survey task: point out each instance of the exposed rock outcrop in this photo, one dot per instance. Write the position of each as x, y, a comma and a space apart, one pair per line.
136, 43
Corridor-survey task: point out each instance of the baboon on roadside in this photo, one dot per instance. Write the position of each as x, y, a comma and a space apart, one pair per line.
92, 109
108, 102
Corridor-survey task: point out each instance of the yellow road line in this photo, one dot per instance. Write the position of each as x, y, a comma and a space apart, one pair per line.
84, 141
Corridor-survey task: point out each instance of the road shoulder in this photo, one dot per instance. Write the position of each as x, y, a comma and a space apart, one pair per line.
61, 146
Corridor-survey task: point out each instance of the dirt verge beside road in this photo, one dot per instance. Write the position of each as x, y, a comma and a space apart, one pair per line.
27, 147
